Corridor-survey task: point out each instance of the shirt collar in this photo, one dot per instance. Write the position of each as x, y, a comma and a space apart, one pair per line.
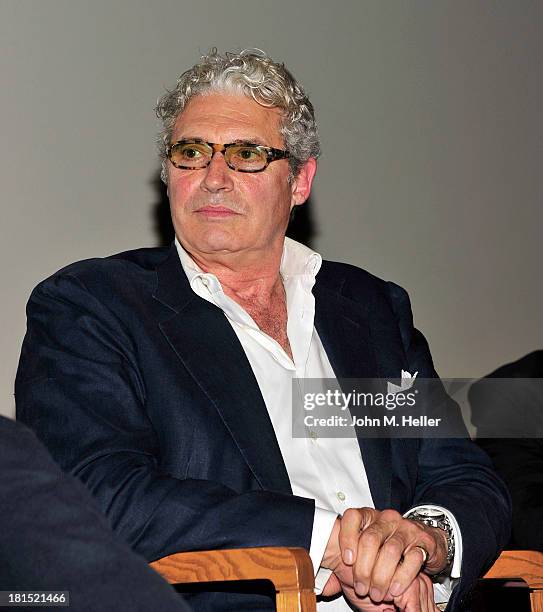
297, 260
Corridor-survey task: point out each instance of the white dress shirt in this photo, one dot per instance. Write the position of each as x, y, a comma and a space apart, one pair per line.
328, 470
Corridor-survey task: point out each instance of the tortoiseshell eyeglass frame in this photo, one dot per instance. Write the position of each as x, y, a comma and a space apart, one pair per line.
272, 154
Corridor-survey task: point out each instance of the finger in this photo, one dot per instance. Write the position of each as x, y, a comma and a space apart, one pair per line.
353, 521
385, 567
418, 603
423, 596
434, 541
426, 593
369, 545
409, 601
407, 571
364, 603
430, 594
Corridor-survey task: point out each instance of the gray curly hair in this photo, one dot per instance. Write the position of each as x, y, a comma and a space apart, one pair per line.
251, 73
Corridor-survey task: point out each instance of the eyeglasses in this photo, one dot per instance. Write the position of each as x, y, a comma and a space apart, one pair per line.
239, 156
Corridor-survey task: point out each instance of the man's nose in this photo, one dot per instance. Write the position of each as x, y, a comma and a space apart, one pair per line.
218, 176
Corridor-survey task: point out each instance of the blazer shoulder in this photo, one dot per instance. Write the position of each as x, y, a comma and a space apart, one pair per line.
340, 276
387, 301
358, 284
133, 261
101, 274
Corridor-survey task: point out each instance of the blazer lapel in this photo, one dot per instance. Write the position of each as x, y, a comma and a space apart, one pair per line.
345, 332
207, 345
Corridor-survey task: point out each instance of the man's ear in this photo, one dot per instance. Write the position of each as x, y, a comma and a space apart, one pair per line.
301, 185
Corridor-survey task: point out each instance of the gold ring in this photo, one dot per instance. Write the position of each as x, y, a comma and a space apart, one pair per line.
424, 554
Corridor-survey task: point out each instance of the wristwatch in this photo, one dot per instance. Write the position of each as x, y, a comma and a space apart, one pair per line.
436, 518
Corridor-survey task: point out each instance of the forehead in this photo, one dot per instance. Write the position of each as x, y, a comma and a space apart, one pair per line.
225, 117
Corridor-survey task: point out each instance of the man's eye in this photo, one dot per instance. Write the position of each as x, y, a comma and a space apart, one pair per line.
191, 153
247, 153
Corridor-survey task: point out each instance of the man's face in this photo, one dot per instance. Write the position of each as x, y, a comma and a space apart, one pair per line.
216, 210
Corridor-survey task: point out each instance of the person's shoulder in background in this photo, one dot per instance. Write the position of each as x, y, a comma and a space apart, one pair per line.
55, 539
505, 414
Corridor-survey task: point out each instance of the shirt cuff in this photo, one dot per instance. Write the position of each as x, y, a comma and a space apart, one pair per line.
445, 583
323, 522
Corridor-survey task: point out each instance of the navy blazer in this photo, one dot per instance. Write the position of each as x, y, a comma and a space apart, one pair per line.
142, 389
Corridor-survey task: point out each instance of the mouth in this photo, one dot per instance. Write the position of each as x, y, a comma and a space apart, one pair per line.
215, 211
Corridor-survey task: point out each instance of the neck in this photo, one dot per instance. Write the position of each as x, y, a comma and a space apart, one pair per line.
246, 277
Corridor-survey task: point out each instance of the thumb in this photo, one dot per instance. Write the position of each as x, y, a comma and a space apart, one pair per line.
332, 587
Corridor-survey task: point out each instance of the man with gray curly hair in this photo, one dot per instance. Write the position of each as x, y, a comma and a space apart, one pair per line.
164, 378
253, 75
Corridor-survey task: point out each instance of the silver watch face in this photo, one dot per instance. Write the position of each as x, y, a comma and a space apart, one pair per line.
430, 513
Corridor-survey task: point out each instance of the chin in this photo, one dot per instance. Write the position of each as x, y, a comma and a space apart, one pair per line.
214, 242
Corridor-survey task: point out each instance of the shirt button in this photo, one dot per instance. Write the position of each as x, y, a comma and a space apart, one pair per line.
340, 495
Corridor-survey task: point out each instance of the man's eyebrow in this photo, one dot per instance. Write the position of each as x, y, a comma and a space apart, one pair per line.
189, 139
248, 141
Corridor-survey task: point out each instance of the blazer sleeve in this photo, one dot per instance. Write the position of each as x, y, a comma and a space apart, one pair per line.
454, 472
79, 386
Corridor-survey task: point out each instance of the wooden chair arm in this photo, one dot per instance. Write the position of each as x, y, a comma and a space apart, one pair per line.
526, 565
289, 569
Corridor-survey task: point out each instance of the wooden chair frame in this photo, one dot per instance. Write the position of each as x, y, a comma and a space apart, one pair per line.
289, 569
525, 565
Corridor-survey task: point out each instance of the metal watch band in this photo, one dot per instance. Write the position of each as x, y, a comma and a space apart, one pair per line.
440, 521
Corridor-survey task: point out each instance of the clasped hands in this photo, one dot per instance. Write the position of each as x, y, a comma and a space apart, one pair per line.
381, 561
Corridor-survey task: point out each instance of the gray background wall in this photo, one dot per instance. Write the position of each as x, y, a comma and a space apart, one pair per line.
430, 116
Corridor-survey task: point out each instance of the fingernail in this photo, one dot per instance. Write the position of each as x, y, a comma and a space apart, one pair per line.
360, 588
348, 556
375, 594
395, 589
